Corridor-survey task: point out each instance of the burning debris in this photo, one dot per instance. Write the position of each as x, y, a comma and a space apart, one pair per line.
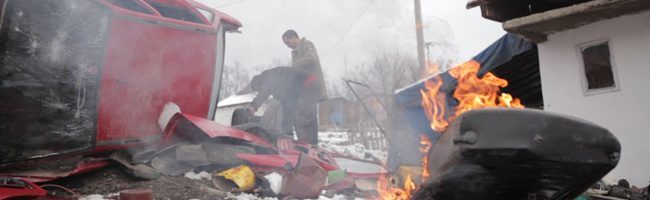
426, 147
471, 92
486, 146
390, 188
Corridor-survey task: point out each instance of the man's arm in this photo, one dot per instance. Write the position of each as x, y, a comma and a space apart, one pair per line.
261, 97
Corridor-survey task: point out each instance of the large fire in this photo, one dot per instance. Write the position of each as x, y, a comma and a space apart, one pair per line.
472, 92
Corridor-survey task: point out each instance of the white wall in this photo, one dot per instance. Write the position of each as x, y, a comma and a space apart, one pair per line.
625, 112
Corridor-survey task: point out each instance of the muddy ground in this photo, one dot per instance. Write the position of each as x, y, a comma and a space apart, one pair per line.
112, 180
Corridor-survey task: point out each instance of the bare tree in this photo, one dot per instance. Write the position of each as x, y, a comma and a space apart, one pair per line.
235, 77
386, 71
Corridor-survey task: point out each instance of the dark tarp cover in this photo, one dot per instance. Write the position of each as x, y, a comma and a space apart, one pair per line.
407, 100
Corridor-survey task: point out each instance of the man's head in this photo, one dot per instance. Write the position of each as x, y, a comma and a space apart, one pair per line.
256, 83
291, 39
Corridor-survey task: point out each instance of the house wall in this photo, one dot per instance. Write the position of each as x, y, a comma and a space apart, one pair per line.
626, 111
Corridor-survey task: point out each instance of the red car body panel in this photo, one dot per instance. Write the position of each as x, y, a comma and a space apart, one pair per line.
289, 152
270, 160
147, 59
196, 128
46, 175
148, 65
27, 190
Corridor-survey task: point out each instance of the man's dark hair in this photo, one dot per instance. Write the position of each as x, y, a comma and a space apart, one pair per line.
290, 34
623, 183
256, 83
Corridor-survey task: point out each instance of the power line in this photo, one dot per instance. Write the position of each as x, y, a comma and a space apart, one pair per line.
350, 29
230, 4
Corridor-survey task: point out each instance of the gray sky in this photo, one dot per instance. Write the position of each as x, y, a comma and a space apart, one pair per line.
352, 30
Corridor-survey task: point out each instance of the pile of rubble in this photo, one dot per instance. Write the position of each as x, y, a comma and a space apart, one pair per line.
196, 164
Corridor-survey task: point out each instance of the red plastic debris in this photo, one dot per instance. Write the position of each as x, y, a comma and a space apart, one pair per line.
19, 188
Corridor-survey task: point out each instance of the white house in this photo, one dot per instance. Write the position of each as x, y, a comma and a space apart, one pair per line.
594, 62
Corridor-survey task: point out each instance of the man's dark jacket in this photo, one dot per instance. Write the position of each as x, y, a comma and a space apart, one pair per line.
284, 83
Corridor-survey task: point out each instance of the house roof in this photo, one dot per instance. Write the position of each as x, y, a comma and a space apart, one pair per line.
537, 27
504, 10
237, 100
475, 3
536, 19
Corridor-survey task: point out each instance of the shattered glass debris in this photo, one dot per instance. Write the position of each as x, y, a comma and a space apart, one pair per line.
49, 78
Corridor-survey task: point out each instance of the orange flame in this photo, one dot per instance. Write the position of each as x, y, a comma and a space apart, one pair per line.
426, 146
434, 103
387, 192
471, 92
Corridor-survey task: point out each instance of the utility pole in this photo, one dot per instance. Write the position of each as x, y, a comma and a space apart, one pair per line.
420, 37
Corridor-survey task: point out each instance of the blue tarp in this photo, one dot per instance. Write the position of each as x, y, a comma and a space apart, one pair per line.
408, 99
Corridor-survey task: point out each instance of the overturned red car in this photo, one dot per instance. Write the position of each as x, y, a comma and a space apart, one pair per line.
83, 77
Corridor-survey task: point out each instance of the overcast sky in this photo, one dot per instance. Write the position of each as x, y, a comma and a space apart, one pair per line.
350, 31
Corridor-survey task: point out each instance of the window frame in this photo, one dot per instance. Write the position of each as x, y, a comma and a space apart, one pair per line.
583, 73
150, 10
219, 66
212, 14
197, 16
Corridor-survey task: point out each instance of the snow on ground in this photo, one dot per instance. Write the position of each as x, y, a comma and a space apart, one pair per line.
338, 142
232, 196
333, 137
93, 197
246, 196
100, 197
275, 181
199, 176
337, 197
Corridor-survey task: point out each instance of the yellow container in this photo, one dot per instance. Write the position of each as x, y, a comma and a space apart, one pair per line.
242, 175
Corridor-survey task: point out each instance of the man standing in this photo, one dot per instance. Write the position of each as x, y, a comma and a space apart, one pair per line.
304, 56
298, 91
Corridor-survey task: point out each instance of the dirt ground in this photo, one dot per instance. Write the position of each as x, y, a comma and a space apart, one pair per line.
112, 180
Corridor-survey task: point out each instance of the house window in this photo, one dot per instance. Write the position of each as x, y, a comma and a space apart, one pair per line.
599, 74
